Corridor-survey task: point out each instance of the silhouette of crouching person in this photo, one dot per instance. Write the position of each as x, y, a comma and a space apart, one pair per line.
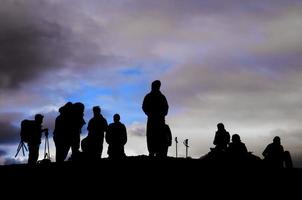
165, 142
116, 137
34, 139
237, 150
92, 145
275, 156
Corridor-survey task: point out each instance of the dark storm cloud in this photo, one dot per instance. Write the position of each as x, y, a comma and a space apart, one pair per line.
8, 133
37, 37
2, 153
9, 130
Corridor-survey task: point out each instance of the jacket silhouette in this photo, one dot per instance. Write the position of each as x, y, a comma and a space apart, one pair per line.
62, 132
116, 137
237, 150
34, 139
222, 138
155, 106
93, 143
274, 154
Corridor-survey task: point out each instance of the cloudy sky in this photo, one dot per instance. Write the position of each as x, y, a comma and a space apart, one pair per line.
236, 62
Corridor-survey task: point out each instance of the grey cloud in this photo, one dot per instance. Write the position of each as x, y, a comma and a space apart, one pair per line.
9, 130
8, 133
137, 129
33, 43
2, 153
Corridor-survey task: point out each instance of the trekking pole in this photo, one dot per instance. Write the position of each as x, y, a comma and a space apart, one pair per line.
186, 143
176, 142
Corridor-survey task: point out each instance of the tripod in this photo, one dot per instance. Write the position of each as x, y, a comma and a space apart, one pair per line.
21, 146
46, 147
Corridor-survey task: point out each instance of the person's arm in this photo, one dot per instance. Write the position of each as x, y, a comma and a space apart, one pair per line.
45, 130
215, 139
265, 152
105, 124
145, 106
107, 135
125, 135
89, 126
166, 106
244, 148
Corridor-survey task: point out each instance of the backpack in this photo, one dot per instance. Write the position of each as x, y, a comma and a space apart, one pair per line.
26, 128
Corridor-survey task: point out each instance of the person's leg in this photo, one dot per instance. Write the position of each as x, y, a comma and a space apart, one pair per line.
33, 153
75, 145
150, 138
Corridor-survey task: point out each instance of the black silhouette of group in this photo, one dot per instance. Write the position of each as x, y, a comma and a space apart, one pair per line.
69, 123
237, 153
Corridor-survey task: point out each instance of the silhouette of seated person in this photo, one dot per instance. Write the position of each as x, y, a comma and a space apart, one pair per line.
62, 132
92, 145
116, 137
275, 156
222, 138
34, 138
155, 106
165, 142
237, 150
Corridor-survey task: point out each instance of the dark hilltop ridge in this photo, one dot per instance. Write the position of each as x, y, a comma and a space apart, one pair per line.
153, 177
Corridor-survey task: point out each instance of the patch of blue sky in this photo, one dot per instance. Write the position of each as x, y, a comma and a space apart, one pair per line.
146, 70
133, 71
127, 102
88, 95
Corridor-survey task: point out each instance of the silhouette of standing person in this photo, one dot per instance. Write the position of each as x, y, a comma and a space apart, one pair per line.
116, 137
155, 106
34, 139
274, 154
93, 143
236, 149
222, 138
62, 132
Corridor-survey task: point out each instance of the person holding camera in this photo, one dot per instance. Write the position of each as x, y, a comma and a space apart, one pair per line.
34, 138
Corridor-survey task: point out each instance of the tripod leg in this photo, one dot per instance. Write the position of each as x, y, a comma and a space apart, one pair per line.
18, 149
23, 149
48, 148
45, 154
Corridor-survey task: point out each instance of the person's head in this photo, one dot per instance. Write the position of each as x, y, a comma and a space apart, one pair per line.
277, 140
116, 118
156, 85
236, 138
96, 110
220, 126
66, 108
79, 107
39, 118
